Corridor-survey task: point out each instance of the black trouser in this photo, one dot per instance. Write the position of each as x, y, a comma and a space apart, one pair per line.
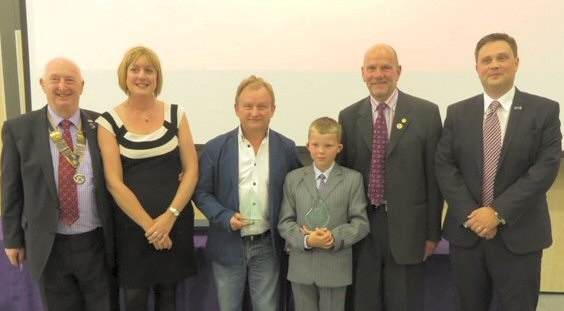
76, 276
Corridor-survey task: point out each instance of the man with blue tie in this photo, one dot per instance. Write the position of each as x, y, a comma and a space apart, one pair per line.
498, 156
240, 191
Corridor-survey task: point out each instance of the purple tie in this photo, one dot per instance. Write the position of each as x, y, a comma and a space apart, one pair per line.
68, 195
376, 185
492, 149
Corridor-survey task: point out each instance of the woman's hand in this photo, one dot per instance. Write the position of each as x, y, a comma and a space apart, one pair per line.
160, 229
164, 245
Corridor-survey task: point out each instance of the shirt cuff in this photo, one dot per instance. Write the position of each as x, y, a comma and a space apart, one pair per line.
307, 247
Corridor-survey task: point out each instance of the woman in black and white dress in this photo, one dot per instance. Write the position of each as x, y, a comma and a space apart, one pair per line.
151, 169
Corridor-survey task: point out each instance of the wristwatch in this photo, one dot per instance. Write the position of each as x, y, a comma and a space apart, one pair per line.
501, 220
174, 211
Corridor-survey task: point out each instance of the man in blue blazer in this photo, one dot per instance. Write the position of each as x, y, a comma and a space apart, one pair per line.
71, 261
497, 221
240, 191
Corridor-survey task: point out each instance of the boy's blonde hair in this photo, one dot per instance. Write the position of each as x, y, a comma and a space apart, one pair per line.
326, 125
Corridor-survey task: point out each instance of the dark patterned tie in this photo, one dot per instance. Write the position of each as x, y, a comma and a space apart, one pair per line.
322, 183
492, 149
376, 185
68, 194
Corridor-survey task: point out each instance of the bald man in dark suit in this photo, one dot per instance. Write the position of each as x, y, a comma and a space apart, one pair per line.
405, 215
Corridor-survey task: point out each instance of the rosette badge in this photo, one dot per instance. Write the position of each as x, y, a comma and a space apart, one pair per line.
403, 123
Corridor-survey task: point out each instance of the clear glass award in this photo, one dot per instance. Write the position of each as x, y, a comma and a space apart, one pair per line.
318, 216
249, 207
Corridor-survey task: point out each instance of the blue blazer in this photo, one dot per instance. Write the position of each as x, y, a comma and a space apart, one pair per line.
217, 193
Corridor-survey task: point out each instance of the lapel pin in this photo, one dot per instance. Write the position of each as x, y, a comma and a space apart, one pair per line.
401, 124
517, 107
91, 124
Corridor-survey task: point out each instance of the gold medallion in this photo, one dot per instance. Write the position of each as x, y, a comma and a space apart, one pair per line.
78, 179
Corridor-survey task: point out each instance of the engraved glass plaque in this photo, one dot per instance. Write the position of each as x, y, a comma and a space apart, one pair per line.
318, 216
249, 207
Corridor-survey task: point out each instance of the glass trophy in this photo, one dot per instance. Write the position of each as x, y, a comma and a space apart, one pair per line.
318, 216
249, 207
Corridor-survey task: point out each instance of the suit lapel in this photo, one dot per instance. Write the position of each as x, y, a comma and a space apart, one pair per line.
365, 124
309, 181
400, 122
474, 126
40, 134
276, 157
334, 180
512, 124
89, 130
232, 162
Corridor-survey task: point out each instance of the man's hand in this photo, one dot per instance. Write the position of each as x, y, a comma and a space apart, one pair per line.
430, 247
239, 221
490, 234
16, 256
483, 221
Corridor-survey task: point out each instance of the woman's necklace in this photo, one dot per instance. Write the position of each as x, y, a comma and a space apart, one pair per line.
147, 115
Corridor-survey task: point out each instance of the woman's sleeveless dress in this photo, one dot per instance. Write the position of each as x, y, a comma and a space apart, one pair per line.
151, 168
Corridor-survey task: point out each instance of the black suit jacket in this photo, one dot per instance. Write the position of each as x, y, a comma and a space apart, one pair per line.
30, 204
414, 200
529, 162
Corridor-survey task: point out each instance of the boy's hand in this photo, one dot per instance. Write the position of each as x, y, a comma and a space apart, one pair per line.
321, 238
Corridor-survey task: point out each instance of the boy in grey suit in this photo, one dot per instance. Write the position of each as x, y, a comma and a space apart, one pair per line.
320, 265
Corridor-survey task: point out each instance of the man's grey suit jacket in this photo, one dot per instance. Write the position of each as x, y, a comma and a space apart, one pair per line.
412, 193
346, 203
30, 203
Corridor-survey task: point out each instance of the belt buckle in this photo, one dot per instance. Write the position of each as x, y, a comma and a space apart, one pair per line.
380, 208
254, 237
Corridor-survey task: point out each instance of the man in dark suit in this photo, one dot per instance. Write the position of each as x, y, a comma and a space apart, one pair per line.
61, 223
390, 137
498, 156
240, 191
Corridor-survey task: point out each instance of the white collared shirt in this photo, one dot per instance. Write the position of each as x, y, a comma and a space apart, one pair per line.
254, 178
506, 100
319, 172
